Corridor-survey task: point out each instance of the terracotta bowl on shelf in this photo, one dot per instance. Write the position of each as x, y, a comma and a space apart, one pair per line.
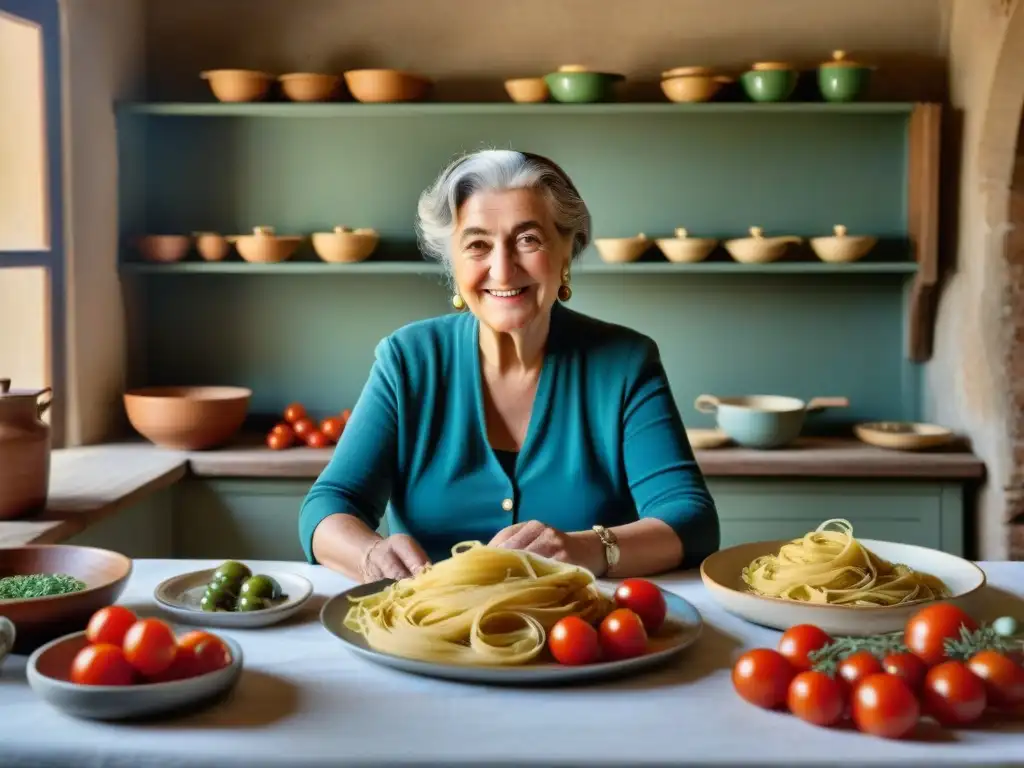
265, 247
163, 249
238, 84
41, 619
386, 85
345, 245
187, 418
620, 250
212, 246
309, 86
527, 90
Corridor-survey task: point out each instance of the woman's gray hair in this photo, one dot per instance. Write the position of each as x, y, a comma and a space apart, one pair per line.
496, 170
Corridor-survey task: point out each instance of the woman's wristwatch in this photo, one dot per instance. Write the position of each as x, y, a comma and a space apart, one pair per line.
611, 547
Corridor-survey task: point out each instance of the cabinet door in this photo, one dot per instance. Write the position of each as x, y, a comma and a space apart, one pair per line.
254, 519
929, 515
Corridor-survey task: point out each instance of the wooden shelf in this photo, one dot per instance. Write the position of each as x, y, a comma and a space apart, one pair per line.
419, 109
428, 268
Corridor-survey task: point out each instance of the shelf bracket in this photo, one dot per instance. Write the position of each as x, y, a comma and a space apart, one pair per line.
923, 166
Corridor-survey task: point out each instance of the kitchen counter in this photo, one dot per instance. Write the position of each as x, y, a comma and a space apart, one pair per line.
91, 483
305, 699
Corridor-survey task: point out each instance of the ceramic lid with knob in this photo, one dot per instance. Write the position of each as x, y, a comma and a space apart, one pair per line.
839, 60
768, 66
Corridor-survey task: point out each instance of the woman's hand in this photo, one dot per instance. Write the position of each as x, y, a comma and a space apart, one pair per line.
584, 548
396, 557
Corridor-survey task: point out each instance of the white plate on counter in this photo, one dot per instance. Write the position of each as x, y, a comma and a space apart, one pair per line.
180, 596
681, 629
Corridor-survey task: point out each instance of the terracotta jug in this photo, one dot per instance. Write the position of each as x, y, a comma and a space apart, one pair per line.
24, 450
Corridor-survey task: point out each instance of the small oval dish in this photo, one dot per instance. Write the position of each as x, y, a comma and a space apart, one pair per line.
683, 249
183, 597
842, 248
685, 85
235, 85
49, 669
309, 86
575, 84
904, 435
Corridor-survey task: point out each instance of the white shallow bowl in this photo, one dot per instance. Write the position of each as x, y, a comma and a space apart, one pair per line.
721, 575
180, 596
49, 666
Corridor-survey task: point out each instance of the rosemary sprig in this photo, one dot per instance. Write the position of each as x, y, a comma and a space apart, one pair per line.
985, 638
827, 658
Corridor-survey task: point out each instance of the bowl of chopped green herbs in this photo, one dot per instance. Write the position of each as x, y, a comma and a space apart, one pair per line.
50, 590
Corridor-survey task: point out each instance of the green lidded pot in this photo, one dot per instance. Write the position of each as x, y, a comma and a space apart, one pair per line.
769, 81
574, 84
841, 79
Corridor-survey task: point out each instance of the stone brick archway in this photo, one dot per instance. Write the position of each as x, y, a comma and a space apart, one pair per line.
1001, 163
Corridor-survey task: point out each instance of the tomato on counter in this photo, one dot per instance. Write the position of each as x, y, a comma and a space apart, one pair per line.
109, 625
299, 428
332, 427
294, 412
101, 664
1002, 676
928, 629
817, 698
858, 666
884, 706
762, 677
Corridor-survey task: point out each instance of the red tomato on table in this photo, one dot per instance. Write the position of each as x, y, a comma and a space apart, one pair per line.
817, 698
858, 666
762, 677
101, 664
109, 625
644, 599
798, 642
883, 705
927, 631
953, 694
572, 642
622, 635
150, 646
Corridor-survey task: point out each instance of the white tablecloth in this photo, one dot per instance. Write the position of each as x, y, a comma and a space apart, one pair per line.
304, 700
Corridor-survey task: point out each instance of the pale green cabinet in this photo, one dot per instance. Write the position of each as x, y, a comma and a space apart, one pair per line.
258, 519
926, 514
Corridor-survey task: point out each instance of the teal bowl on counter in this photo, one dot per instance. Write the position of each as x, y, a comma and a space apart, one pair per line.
763, 421
573, 84
841, 80
769, 81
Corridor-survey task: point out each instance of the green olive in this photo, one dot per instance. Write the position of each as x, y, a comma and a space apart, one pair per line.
232, 572
250, 603
223, 591
209, 603
260, 586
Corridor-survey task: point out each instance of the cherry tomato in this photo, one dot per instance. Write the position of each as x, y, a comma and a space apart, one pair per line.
150, 646
207, 652
332, 428
622, 635
572, 642
108, 625
762, 677
283, 428
294, 412
857, 666
316, 439
953, 694
928, 629
883, 705
182, 668
1002, 676
817, 698
644, 599
302, 427
101, 664
278, 441
345, 416
799, 641
908, 666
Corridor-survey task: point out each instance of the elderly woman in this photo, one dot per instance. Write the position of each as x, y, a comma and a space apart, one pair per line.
515, 421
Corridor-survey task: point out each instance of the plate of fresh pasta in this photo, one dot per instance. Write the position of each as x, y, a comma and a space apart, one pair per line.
835, 581
499, 616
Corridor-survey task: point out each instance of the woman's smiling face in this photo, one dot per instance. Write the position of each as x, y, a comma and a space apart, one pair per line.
508, 257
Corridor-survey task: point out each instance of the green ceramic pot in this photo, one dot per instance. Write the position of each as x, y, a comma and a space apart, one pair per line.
574, 86
769, 82
842, 80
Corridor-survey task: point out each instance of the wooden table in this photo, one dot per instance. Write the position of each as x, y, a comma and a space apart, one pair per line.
304, 700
